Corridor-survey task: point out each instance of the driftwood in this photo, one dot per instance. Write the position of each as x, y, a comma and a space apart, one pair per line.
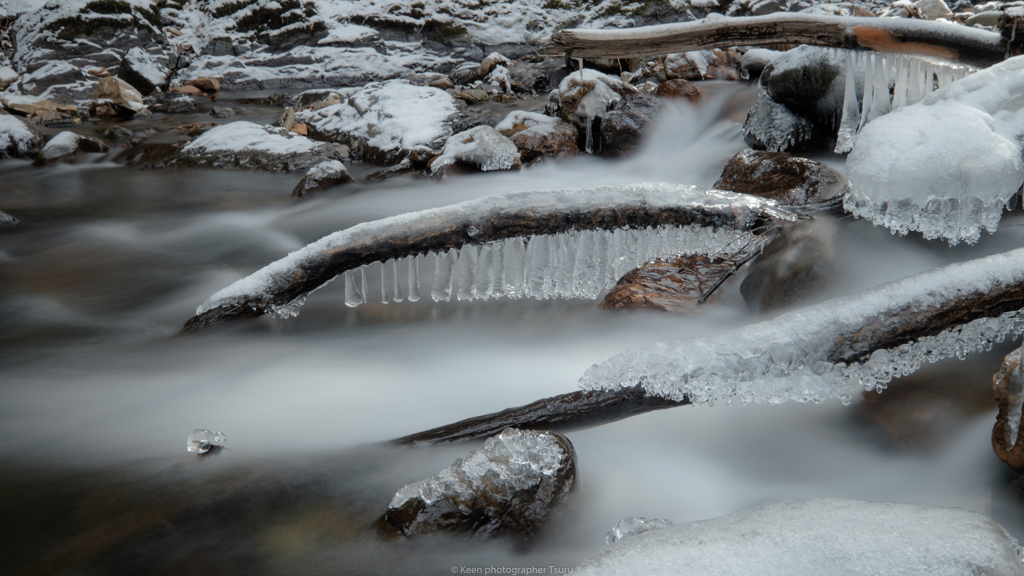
480, 221
850, 329
896, 35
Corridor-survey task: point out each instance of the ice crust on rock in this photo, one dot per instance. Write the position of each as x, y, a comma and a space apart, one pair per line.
633, 525
391, 117
201, 440
482, 147
947, 165
578, 263
520, 120
798, 355
17, 140
819, 536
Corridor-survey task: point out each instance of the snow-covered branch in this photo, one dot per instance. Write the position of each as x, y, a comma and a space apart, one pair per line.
570, 242
898, 35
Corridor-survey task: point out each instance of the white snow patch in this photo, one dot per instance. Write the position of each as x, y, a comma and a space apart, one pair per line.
14, 132
239, 136
346, 33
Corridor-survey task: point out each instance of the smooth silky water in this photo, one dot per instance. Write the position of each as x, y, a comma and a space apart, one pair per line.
99, 392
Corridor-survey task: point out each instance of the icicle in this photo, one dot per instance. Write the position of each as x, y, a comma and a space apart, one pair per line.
513, 270
396, 282
444, 265
466, 267
537, 265
354, 288
899, 96
589, 144
385, 294
1015, 402
851, 112
916, 89
868, 98
929, 79
880, 104
414, 278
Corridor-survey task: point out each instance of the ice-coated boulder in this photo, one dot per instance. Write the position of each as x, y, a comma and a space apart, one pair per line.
18, 139
947, 165
482, 148
819, 536
507, 488
248, 145
537, 135
382, 121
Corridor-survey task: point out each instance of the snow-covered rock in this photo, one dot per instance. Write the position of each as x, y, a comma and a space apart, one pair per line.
143, 71
538, 135
63, 146
947, 165
510, 486
18, 139
7, 76
323, 176
248, 145
819, 536
382, 122
482, 148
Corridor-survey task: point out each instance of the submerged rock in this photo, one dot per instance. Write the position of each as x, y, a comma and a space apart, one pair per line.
779, 176
507, 488
1008, 386
63, 146
819, 536
482, 148
537, 135
667, 285
323, 176
252, 146
798, 264
8, 221
624, 125
678, 88
18, 139
382, 122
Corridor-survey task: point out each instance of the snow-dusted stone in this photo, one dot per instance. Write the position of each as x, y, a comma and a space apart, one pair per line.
947, 165
933, 9
482, 148
538, 135
507, 488
490, 63
32, 105
252, 146
18, 139
63, 146
677, 89
144, 72
755, 60
8, 221
382, 122
588, 94
323, 176
434, 79
115, 97
624, 125
7, 76
819, 536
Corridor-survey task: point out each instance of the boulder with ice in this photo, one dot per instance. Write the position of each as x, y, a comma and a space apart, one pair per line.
537, 135
819, 536
18, 139
482, 148
382, 121
947, 165
252, 146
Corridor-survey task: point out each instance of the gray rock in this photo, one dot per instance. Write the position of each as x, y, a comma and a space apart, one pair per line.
507, 488
143, 71
222, 112
64, 146
171, 103
8, 221
623, 126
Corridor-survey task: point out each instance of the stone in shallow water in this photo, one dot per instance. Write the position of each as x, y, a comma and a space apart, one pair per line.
797, 265
508, 487
323, 176
201, 441
668, 285
780, 176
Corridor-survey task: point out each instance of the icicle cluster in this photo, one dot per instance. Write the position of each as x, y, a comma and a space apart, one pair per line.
788, 358
891, 81
579, 264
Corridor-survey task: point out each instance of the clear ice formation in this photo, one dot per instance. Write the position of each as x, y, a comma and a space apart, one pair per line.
573, 264
791, 356
633, 525
1015, 401
514, 460
578, 264
947, 165
909, 78
201, 440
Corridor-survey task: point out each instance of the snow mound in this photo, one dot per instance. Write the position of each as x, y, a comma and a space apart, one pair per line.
818, 536
946, 166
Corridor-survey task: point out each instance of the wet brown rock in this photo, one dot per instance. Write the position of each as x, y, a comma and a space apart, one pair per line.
784, 177
796, 265
678, 88
510, 487
323, 176
472, 95
557, 141
194, 128
187, 90
299, 129
671, 286
623, 127
1003, 390
206, 85
718, 65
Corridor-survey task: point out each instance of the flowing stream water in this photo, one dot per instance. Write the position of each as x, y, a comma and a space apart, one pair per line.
99, 392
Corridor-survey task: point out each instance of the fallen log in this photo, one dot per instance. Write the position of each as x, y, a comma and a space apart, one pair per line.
895, 35
706, 216
812, 354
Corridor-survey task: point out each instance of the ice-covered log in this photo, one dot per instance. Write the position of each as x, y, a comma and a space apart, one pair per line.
812, 354
556, 243
897, 35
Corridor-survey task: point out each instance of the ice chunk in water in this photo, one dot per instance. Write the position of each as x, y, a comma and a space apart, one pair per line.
201, 440
633, 525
